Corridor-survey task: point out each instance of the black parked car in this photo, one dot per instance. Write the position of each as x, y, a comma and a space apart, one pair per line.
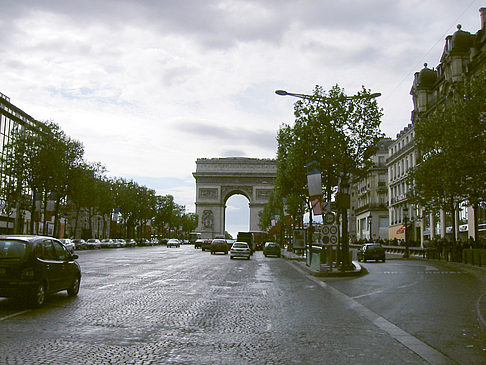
371, 251
34, 266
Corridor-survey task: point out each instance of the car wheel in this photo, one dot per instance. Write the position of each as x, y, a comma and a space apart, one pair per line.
73, 290
383, 259
248, 258
278, 255
212, 252
364, 260
39, 295
231, 257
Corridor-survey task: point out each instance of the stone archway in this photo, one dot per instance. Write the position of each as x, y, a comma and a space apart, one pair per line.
217, 179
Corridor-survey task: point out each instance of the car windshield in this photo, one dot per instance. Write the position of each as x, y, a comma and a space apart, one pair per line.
12, 249
240, 245
217, 242
272, 244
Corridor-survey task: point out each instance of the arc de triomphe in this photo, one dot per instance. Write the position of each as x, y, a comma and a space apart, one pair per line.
217, 179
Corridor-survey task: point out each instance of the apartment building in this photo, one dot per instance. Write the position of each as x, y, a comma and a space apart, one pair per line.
463, 57
370, 198
402, 156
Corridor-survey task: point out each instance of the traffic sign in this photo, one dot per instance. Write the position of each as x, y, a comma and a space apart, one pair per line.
330, 232
330, 218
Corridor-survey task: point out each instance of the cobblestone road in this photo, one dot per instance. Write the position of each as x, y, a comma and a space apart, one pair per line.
155, 305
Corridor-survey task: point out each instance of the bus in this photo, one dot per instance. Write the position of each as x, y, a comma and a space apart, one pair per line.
255, 239
193, 236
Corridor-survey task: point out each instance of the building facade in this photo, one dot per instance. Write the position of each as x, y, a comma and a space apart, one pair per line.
11, 118
463, 57
402, 156
370, 198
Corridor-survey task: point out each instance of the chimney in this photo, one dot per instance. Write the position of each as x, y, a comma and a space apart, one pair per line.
483, 18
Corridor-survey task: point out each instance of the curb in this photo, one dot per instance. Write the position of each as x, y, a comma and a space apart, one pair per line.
358, 269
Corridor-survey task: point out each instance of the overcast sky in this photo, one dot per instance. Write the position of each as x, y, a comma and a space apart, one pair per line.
149, 86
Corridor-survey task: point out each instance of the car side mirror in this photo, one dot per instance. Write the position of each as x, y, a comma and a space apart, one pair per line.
74, 256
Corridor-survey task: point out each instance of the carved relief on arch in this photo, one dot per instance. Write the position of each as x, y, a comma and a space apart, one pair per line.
208, 218
242, 189
263, 194
208, 193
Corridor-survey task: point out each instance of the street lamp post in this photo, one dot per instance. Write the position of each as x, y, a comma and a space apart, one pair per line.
405, 221
370, 222
343, 201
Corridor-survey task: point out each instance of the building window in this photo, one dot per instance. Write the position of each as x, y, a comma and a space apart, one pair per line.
384, 223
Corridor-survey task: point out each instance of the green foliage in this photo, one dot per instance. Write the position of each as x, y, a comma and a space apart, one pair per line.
338, 132
227, 235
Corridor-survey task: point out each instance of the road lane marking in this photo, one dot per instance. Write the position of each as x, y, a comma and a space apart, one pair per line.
482, 320
269, 326
408, 285
423, 350
14, 314
365, 295
105, 286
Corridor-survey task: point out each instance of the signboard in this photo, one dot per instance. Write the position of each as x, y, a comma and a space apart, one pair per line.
316, 206
314, 183
299, 239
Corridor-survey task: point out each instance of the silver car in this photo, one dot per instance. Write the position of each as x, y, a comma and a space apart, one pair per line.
240, 249
173, 242
93, 243
68, 243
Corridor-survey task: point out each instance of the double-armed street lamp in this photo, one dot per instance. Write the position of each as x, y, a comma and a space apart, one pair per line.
343, 197
323, 98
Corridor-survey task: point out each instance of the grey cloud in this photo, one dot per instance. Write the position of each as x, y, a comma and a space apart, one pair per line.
233, 153
230, 135
213, 22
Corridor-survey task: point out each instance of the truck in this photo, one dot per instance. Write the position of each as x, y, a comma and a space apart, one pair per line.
248, 238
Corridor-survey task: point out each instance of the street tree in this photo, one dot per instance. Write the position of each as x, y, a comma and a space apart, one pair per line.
337, 132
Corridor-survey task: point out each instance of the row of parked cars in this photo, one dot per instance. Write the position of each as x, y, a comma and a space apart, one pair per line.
94, 243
